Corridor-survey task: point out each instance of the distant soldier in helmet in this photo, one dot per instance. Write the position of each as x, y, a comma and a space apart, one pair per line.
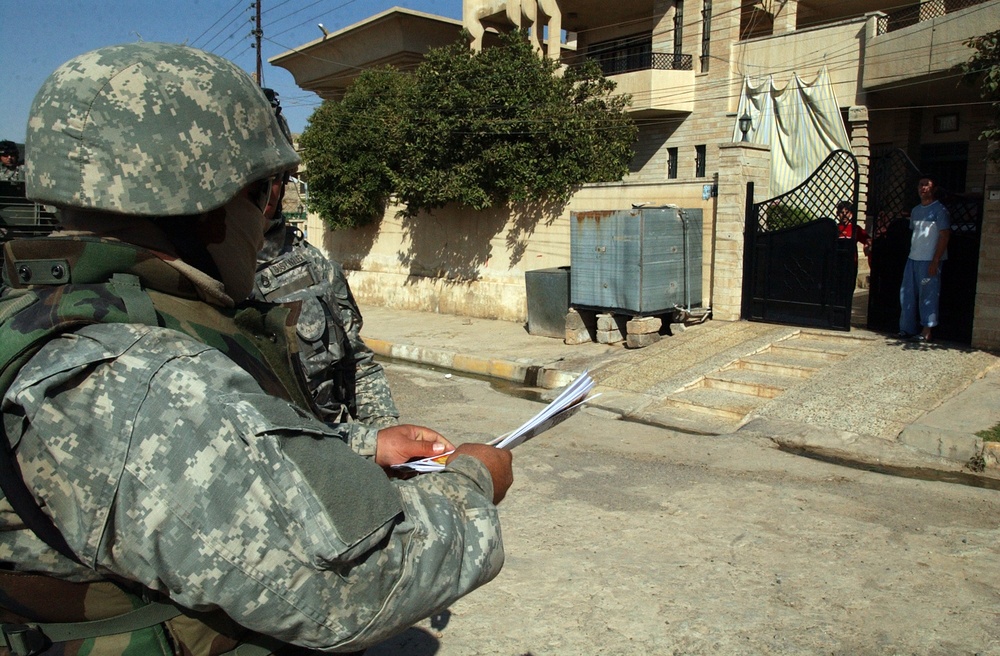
345, 381
162, 466
10, 161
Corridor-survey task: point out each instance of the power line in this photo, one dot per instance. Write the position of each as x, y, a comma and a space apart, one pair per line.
195, 40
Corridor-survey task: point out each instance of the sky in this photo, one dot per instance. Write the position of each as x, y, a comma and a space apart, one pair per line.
40, 35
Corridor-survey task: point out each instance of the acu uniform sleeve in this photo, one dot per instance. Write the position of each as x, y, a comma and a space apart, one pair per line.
220, 496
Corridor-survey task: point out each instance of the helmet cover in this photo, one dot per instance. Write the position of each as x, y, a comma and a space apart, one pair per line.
150, 129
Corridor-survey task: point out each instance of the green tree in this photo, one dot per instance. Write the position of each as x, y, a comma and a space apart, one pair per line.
478, 129
353, 147
983, 69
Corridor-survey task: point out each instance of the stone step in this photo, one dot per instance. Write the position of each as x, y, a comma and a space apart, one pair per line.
780, 364
764, 384
804, 350
683, 420
835, 341
715, 402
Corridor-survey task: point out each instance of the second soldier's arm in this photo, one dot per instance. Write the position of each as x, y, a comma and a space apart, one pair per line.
375, 406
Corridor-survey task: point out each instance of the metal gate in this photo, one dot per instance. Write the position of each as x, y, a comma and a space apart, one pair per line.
797, 269
892, 193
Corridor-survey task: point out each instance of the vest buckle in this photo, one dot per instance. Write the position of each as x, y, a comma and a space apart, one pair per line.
24, 639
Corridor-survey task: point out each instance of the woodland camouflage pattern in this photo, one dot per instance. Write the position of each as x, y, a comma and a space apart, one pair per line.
181, 456
33, 597
345, 381
208, 127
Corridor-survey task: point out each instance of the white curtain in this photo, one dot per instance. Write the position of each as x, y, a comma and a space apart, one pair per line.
802, 123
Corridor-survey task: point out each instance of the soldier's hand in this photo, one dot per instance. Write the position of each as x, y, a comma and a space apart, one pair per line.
398, 444
498, 461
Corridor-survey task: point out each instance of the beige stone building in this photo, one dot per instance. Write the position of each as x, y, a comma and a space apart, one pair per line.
891, 68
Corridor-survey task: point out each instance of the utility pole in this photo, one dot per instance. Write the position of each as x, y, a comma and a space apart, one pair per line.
258, 32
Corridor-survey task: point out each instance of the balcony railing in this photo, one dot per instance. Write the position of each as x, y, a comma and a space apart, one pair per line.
627, 63
897, 20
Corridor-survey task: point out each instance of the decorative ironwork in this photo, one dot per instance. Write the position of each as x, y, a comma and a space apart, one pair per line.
816, 197
919, 12
798, 270
669, 61
892, 194
615, 63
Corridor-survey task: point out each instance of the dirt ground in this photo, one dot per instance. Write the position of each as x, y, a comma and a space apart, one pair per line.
629, 539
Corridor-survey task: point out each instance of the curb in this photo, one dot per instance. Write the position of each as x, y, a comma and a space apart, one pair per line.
532, 375
866, 452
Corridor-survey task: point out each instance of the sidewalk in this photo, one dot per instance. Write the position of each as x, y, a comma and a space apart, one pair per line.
860, 396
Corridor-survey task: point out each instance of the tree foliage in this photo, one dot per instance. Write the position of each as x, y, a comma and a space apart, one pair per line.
983, 68
478, 129
352, 149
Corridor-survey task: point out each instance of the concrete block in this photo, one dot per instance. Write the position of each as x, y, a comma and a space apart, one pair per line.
606, 322
609, 336
574, 321
579, 328
641, 340
643, 325
577, 335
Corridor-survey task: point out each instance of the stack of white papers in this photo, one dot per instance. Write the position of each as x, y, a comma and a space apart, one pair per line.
563, 406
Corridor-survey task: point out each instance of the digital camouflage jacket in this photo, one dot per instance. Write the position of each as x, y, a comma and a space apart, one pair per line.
163, 463
345, 381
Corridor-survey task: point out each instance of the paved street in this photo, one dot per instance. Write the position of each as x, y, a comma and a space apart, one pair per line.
623, 538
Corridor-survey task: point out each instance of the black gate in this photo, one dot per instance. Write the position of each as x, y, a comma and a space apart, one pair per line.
797, 269
892, 194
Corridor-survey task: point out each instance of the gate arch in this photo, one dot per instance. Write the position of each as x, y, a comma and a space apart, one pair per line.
797, 268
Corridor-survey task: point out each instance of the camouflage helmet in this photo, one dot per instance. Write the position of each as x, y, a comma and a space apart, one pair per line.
150, 129
8, 147
272, 97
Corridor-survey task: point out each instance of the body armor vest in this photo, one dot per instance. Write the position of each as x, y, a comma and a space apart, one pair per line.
287, 271
59, 286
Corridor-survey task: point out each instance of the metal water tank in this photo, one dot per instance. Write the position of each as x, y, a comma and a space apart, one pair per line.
641, 261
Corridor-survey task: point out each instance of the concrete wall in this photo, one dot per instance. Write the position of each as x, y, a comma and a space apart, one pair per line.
891, 57
986, 320
805, 52
462, 262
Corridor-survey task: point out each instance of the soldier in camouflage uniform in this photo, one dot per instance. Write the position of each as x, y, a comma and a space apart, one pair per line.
10, 162
162, 466
345, 381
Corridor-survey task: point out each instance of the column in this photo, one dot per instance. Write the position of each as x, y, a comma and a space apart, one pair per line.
739, 163
986, 318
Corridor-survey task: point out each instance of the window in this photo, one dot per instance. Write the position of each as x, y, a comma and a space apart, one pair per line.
706, 34
699, 161
678, 27
671, 163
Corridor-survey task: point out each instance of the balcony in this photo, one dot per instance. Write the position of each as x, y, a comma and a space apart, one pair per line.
921, 41
659, 82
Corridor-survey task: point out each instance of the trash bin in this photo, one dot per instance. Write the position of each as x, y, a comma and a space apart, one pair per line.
548, 301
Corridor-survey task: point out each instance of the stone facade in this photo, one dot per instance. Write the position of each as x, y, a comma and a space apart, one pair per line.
685, 96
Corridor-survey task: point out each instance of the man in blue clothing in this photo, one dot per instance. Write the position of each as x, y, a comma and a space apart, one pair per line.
921, 289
